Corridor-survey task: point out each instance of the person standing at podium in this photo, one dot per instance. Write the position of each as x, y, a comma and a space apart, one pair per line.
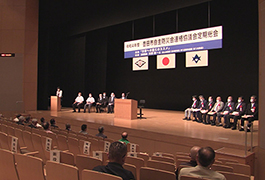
89, 102
123, 96
59, 92
78, 102
111, 103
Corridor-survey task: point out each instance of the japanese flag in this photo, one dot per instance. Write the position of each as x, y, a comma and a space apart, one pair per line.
166, 61
197, 58
140, 63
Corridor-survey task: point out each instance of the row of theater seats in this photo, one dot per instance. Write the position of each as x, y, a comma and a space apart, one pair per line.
71, 145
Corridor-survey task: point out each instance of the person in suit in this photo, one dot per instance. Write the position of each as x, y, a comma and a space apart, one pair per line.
99, 103
239, 111
228, 108
218, 107
117, 155
202, 106
111, 103
123, 96
78, 102
205, 159
105, 100
205, 110
251, 113
194, 106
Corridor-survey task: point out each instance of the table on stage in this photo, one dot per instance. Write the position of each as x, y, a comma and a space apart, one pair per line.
125, 109
55, 103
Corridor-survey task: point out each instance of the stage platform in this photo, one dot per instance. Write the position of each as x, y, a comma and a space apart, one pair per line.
158, 121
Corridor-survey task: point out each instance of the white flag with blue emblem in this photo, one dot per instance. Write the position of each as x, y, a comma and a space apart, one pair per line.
197, 58
140, 63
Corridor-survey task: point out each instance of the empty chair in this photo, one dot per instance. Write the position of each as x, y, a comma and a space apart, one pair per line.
180, 161
161, 165
240, 168
130, 147
185, 177
94, 175
94, 144
219, 167
218, 162
167, 155
182, 153
67, 158
10, 131
36, 131
38, 146
19, 135
62, 143
73, 145
4, 128
29, 167
28, 141
182, 157
224, 160
59, 171
234, 176
165, 159
53, 137
86, 162
28, 128
145, 156
147, 173
137, 162
7, 165
131, 168
81, 146
4, 141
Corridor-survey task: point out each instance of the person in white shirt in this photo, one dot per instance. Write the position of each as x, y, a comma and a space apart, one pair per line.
123, 96
59, 92
89, 102
78, 102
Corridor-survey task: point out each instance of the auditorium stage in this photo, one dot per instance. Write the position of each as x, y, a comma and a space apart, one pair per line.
159, 121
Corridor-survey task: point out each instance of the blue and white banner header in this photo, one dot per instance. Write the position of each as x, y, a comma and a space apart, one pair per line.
201, 39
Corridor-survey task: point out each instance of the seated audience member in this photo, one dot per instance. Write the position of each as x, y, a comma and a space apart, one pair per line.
218, 107
123, 96
101, 132
46, 127
21, 120
53, 125
205, 159
16, 118
111, 103
203, 107
239, 111
190, 110
117, 155
100, 103
228, 108
83, 129
89, 102
105, 100
27, 119
42, 121
251, 113
193, 154
124, 137
78, 102
33, 123
68, 127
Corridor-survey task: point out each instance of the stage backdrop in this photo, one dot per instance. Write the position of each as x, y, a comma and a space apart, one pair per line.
93, 61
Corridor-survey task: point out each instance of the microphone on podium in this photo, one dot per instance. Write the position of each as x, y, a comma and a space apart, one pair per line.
127, 94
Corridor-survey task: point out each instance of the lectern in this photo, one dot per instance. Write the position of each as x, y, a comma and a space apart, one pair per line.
55, 103
125, 109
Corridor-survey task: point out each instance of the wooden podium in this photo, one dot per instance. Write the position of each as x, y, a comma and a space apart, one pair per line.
55, 103
125, 109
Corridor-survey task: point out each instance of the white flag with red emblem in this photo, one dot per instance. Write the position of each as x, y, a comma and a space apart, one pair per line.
166, 61
140, 63
197, 58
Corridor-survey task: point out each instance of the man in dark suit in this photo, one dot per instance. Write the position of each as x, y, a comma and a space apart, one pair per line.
216, 109
228, 108
194, 106
99, 103
111, 103
206, 109
202, 106
251, 113
239, 111
105, 100
117, 155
